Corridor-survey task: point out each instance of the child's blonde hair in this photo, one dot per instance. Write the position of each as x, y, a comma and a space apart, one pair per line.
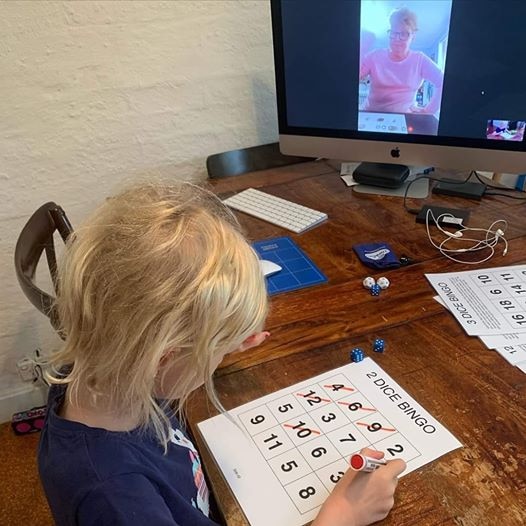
156, 268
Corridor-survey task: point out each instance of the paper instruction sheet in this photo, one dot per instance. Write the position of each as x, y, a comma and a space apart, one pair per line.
487, 301
511, 346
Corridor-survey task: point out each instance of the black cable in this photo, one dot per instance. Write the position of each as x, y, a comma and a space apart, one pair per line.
418, 176
431, 178
503, 188
484, 181
520, 198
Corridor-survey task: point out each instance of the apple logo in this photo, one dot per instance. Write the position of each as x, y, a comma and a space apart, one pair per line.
395, 152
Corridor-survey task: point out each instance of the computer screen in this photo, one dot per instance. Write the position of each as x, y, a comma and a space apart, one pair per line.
426, 82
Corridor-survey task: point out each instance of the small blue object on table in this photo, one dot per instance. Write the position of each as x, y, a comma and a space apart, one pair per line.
379, 345
375, 290
357, 355
298, 270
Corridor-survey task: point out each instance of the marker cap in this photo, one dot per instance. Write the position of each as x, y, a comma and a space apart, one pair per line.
357, 462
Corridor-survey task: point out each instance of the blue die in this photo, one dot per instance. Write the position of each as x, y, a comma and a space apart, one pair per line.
357, 355
375, 290
379, 345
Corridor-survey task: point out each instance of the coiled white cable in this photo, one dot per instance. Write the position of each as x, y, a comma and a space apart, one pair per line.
493, 235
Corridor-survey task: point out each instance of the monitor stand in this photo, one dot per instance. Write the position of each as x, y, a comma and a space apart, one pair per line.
418, 190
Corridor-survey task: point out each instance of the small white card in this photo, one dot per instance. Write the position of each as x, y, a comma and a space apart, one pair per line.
349, 180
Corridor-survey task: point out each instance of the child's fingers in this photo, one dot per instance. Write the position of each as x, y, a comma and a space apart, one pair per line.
395, 467
373, 453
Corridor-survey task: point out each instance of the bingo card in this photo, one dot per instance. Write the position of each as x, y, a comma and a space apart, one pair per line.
485, 302
290, 448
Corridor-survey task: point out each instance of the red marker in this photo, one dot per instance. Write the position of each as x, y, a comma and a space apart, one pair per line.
361, 462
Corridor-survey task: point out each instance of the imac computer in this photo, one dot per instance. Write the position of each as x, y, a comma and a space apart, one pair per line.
412, 82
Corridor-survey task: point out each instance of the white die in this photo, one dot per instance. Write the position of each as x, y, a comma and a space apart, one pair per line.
383, 283
368, 282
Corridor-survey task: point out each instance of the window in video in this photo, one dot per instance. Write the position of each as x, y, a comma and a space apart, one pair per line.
402, 63
498, 130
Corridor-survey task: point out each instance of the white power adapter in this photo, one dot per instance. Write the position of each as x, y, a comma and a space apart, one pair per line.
444, 216
454, 221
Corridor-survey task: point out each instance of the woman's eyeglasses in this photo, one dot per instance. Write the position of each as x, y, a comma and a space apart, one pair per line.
399, 35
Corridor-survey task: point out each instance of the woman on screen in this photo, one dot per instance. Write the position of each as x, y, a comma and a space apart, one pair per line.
397, 73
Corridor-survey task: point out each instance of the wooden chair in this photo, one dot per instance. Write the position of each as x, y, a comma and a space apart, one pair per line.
238, 162
35, 238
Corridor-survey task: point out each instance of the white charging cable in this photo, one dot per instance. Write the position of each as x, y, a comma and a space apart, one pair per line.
492, 236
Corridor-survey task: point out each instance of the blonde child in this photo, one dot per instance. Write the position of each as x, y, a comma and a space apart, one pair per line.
155, 289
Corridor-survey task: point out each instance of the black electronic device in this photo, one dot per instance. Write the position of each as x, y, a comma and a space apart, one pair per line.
467, 190
381, 174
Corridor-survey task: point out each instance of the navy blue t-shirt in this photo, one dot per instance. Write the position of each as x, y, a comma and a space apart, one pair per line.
92, 476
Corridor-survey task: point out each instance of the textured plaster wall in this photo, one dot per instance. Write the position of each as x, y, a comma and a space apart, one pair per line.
96, 93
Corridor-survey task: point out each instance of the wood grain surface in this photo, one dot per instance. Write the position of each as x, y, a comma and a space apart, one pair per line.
471, 390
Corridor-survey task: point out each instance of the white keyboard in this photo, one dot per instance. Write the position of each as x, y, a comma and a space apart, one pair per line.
275, 210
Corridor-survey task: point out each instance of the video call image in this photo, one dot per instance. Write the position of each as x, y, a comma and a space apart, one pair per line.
403, 49
499, 130
423, 70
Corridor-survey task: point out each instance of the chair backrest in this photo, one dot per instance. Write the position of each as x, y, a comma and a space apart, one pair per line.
35, 238
238, 162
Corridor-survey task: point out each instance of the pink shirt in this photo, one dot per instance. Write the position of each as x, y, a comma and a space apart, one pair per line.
394, 84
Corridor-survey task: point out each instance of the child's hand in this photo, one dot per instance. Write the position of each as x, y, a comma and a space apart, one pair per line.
362, 498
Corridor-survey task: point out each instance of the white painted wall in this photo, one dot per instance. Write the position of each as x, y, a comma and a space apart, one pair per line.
96, 92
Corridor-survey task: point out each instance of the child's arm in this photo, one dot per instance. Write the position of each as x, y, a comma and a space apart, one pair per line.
362, 498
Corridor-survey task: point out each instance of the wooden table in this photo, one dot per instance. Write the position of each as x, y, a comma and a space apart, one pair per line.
471, 390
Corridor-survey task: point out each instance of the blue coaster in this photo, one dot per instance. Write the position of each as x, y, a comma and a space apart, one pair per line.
298, 269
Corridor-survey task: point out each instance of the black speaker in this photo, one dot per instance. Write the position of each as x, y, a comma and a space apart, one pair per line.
381, 174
